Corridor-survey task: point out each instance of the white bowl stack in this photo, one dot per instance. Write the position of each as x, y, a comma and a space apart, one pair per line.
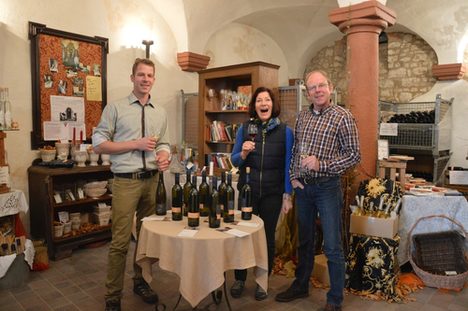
95, 189
102, 214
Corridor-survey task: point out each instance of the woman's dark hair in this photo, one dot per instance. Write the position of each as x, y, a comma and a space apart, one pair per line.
276, 109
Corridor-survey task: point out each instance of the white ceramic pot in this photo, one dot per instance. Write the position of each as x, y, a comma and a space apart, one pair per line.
105, 158
63, 150
93, 158
80, 158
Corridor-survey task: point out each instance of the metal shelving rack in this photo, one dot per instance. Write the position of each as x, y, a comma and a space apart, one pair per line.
422, 139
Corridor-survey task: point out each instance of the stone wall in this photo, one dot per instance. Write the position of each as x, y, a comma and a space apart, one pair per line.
405, 67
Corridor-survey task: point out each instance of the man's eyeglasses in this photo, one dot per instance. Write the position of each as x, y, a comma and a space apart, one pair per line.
316, 87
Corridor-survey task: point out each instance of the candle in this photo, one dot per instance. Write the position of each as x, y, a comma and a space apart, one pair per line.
74, 135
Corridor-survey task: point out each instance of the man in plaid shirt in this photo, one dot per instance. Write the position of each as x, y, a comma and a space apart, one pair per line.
326, 144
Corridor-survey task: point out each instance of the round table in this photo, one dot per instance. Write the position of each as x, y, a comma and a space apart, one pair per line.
200, 261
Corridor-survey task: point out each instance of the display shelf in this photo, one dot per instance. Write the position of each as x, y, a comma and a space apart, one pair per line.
220, 142
208, 112
43, 185
85, 201
81, 236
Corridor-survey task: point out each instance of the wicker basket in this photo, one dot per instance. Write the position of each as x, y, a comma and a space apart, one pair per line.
438, 252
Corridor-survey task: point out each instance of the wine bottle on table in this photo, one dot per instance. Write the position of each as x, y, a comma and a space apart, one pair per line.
214, 218
229, 207
193, 214
161, 196
245, 197
177, 199
222, 194
187, 188
203, 196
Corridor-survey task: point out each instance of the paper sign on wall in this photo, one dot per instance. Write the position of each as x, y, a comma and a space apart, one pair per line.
388, 129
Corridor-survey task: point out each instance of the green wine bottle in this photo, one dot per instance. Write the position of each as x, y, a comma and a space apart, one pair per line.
229, 207
161, 196
222, 194
203, 196
245, 197
193, 214
214, 218
177, 199
187, 188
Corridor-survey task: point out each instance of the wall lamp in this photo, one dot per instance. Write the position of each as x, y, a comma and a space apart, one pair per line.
147, 43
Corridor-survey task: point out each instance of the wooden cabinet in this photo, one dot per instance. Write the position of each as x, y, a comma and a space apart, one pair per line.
213, 84
44, 186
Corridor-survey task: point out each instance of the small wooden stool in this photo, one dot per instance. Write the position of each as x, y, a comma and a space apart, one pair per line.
393, 164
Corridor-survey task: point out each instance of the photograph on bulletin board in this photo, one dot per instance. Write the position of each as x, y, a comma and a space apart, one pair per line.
69, 84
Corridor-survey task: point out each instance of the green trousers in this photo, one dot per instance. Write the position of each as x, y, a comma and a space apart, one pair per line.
128, 196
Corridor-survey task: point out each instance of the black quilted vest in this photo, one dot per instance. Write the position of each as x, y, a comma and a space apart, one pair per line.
266, 162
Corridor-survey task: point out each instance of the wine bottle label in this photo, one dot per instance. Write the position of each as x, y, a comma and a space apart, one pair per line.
231, 212
201, 205
176, 209
218, 216
247, 209
193, 215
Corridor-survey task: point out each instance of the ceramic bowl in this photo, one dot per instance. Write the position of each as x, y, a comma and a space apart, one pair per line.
96, 184
47, 155
95, 192
95, 189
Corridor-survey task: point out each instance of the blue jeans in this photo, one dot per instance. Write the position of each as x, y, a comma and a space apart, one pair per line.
324, 199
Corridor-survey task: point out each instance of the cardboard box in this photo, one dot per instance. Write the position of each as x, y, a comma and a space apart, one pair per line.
458, 177
372, 226
320, 271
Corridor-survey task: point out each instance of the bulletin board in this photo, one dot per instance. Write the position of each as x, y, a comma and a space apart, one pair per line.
68, 84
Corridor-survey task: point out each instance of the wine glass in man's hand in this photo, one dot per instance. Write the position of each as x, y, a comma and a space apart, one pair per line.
252, 130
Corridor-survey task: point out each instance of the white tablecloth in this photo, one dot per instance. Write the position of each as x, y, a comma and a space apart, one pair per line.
12, 203
415, 207
201, 261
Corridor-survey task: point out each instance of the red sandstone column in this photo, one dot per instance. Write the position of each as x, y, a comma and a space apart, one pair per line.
362, 24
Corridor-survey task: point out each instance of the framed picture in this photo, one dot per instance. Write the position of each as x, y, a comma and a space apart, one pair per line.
68, 83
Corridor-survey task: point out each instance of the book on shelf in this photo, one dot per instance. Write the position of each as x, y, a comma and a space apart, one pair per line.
220, 131
220, 160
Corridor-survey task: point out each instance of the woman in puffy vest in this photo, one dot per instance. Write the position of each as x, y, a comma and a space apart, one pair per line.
268, 155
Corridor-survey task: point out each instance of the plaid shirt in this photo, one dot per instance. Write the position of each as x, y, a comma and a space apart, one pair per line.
331, 136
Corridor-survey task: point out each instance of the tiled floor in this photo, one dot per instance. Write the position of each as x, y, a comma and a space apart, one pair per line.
77, 283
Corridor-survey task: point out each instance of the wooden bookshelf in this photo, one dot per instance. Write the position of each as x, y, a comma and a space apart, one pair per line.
233, 78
